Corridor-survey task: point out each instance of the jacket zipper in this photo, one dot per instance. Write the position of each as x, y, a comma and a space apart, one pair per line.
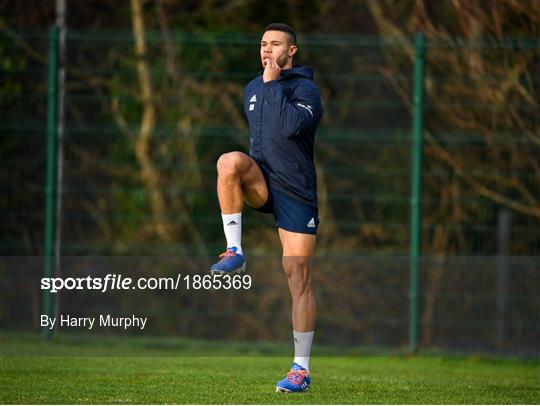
261, 125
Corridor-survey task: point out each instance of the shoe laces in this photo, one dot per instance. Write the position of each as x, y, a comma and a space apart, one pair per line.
227, 254
297, 376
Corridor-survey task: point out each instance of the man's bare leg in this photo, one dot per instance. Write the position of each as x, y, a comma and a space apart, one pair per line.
239, 179
298, 251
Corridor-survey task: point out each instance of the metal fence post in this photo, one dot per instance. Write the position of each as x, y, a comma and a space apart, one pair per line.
416, 187
50, 186
503, 250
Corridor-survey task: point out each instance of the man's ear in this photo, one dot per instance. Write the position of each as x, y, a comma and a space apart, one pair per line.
292, 50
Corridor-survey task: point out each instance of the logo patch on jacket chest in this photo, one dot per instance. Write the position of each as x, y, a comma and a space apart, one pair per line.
252, 100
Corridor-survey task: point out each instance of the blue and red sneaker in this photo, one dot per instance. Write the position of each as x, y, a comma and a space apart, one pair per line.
230, 263
297, 380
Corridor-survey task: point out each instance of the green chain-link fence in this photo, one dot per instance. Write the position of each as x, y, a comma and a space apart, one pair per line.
139, 175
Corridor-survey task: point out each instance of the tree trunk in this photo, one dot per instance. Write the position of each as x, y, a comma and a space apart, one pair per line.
149, 174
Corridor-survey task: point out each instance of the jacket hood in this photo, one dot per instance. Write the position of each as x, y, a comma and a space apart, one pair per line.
297, 71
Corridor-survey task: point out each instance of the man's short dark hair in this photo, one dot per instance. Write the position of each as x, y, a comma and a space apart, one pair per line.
283, 28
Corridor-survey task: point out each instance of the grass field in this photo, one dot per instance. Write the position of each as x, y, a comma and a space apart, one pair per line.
174, 371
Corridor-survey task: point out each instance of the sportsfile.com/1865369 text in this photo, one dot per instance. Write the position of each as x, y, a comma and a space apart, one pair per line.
112, 282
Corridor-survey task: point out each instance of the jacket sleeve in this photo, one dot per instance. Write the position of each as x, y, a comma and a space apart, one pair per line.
298, 113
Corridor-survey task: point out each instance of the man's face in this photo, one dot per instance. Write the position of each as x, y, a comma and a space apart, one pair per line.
275, 45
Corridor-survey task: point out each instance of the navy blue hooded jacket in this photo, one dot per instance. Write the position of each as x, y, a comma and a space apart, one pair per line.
283, 116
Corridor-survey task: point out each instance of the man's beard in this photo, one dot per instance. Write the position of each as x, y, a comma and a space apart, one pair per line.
282, 61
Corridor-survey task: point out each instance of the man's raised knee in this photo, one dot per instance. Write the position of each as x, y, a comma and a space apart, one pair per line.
229, 162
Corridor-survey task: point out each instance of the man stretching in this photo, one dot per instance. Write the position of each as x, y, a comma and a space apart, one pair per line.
283, 108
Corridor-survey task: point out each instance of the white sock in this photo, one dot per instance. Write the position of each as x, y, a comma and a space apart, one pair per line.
232, 226
302, 348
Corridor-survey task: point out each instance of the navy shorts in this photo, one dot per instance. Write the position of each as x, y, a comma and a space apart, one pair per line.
289, 213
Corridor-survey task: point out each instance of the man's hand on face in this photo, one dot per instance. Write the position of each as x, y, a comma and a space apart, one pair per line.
271, 70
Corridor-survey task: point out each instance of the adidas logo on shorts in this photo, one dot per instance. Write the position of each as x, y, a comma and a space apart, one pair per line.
311, 223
